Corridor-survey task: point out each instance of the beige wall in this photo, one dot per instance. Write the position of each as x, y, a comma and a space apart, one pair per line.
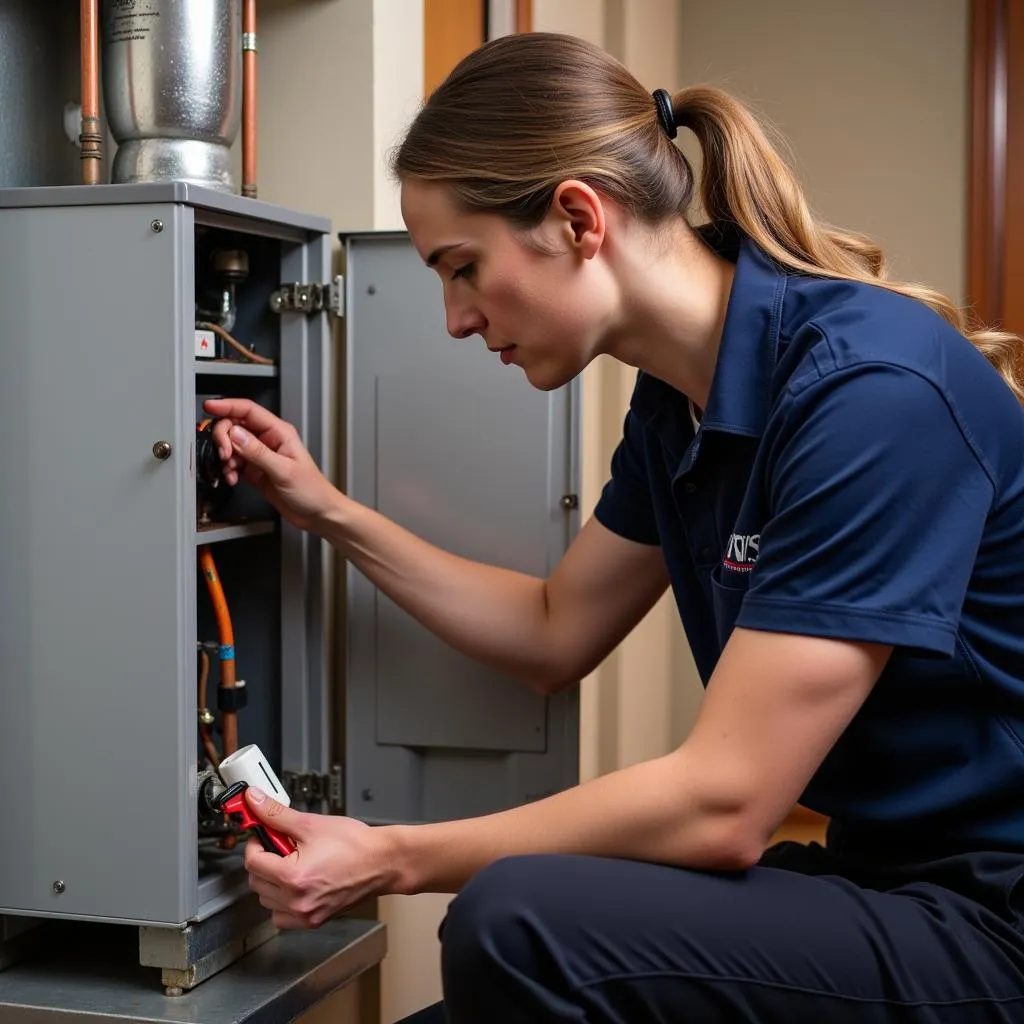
641, 701
872, 97
338, 80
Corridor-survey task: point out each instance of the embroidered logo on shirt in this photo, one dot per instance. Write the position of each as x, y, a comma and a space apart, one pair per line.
741, 554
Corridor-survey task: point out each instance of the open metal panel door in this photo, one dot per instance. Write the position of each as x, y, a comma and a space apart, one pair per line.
461, 450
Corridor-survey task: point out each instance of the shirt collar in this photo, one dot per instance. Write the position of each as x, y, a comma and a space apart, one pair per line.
740, 396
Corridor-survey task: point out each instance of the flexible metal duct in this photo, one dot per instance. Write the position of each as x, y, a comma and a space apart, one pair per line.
172, 82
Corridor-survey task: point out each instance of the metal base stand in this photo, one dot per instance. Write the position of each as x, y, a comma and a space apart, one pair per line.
186, 957
90, 977
190, 956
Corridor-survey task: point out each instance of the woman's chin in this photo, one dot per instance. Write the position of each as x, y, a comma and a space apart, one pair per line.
549, 376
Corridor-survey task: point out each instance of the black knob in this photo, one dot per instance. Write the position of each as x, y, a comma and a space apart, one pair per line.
209, 468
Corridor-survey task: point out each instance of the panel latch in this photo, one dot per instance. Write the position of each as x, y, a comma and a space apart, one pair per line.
310, 298
313, 789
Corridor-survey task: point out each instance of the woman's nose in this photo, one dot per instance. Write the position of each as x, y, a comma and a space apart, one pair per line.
464, 322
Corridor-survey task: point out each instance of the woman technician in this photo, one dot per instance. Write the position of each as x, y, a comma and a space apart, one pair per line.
828, 474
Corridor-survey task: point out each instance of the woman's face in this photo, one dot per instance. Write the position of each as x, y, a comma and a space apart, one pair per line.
542, 302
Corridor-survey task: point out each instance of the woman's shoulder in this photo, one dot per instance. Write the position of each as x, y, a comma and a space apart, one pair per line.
839, 327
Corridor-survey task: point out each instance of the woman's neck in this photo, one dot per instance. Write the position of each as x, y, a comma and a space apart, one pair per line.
676, 293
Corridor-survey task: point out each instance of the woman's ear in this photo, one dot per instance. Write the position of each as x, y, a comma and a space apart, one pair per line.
576, 218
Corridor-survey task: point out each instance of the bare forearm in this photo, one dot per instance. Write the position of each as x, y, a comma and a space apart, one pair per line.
644, 812
495, 615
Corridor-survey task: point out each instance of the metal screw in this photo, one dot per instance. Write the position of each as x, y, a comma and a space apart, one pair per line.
367, 794
157, 226
59, 887
372, 290
162, 450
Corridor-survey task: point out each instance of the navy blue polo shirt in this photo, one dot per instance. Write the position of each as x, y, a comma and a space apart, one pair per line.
858, 474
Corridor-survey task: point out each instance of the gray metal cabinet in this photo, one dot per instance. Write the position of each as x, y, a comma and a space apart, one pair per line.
101, 605
465, 453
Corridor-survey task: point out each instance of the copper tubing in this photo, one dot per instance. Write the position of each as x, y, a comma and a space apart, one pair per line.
204, 730
206, 325
90, 138
249, 98
226, 637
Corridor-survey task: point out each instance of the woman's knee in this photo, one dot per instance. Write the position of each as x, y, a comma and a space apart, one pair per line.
502, 902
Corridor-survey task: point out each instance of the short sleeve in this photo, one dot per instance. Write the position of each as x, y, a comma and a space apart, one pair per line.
877, 504
625, 506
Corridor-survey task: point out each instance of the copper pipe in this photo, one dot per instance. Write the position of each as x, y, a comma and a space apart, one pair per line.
90, 139
208, 325
249, 98
204, 730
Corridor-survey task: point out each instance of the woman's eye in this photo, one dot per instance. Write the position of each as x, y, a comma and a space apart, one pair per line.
464, 271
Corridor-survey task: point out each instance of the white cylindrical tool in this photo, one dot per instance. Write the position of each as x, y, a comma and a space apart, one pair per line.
248, 764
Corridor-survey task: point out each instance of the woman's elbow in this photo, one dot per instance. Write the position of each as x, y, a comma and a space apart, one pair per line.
740, 853
548, 683
730, 840
553, 674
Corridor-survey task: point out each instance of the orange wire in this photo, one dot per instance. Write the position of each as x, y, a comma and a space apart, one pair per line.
226, 637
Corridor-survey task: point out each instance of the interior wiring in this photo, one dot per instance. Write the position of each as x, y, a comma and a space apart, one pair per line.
226, 656
209, 325
226, 638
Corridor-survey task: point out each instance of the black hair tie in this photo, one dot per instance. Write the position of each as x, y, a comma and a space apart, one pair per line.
666, 116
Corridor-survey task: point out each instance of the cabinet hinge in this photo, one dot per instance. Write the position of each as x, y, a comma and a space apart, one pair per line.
310, 298
312, 790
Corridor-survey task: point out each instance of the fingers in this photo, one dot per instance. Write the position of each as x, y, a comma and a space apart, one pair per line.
276, 816
242, 410
269, 867
272, 896
258, 455
282, 919
275, 900
284, 900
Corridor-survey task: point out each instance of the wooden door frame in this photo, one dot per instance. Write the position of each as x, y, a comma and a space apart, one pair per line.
524, 15
452, 28
995, 252
987, 158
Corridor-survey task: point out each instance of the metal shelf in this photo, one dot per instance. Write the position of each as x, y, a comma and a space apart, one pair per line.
217, 532
232, 368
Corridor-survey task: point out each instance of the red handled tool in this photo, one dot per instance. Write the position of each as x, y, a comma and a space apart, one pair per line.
232, 803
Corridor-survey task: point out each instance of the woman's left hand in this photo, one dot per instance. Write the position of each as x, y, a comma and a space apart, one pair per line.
338, 862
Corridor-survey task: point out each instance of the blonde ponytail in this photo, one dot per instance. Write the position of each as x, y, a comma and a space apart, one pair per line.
746, 182
523, 113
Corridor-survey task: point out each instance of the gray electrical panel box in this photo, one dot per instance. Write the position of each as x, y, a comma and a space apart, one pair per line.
461, 450
104, 614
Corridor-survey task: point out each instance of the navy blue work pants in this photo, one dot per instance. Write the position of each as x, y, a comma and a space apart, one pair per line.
800, 939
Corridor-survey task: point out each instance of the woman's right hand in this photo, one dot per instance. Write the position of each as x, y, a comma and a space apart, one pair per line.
269, 454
